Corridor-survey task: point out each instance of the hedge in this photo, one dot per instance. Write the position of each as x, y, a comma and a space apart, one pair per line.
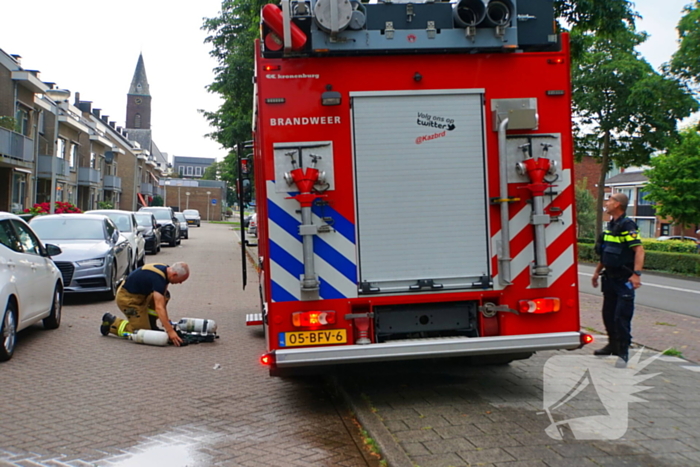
679, 263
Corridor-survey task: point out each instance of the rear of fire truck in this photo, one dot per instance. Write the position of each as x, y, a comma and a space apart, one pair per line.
413, 168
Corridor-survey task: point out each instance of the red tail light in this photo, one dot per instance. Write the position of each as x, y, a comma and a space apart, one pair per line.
313, 318
267, 359
539, 305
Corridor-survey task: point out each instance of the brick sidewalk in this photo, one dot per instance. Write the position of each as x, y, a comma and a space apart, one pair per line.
652, 328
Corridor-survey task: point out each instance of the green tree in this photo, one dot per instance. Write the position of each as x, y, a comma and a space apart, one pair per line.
624, 110
685, 62
212, 172
674, 180
232, 36
585, 210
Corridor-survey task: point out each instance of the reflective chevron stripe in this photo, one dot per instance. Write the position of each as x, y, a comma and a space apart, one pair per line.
334, 252
560, 255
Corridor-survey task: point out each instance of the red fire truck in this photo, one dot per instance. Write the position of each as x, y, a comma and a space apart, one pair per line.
414, 181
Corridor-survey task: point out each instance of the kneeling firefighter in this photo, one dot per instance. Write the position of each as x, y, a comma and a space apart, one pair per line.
143, 299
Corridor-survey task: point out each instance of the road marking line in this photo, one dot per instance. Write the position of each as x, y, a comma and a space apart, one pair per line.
692, 368
677, 289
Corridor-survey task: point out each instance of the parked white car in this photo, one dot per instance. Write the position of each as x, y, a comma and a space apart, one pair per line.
31, 287
127, 225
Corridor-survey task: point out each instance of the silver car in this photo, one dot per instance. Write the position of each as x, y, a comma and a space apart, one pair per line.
192, 216
184, 229
128, 226
94, 255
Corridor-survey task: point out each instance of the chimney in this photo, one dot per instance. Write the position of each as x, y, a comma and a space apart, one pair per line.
113, 125
77, 99
96, 112
105, 118
85, 106
17, 58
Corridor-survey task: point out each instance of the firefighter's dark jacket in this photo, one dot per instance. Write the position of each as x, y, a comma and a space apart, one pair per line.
615, 246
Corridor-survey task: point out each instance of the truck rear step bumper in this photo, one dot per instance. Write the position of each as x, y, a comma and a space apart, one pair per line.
426, 348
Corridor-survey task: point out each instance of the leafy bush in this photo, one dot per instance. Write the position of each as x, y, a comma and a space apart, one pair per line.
672, 246
679, 263
8, 123
105, 205
59, 208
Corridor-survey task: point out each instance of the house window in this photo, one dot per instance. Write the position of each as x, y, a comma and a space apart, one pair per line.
137, 121
93, 160
189, 170
61, 148
42, 123
640, 198
22, 121
647, 227
198, 171
73, 155
181, 170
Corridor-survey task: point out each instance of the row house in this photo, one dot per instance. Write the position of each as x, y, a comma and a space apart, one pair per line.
632, 182
55, 150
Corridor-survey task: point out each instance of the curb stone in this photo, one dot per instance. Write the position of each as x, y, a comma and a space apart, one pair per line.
390, 449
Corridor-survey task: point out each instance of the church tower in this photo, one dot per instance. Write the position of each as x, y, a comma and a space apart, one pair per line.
138, 109
138, 101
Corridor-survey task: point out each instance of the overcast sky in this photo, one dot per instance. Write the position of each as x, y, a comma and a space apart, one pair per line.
92, 46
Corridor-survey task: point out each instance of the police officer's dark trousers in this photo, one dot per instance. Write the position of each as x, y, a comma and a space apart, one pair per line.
618, 308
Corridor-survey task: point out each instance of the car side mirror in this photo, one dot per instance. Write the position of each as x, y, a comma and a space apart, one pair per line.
141, 229
159, 225
53, 250
175, 221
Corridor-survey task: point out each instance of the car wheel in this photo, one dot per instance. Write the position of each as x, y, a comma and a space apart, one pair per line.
113, 281
173, 240
187, 235
53, 321
158, 249
142, 261
8, 332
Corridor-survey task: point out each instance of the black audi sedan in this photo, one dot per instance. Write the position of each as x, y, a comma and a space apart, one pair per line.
151, 232
169, 226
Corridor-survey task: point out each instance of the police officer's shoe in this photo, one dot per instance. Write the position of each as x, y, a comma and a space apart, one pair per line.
107, 320
609, 349
622, 359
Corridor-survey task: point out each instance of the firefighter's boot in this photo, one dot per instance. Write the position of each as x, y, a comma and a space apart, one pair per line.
107, 320
611, 348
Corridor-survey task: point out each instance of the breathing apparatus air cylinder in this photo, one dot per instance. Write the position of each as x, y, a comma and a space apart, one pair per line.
203, 326
148, 337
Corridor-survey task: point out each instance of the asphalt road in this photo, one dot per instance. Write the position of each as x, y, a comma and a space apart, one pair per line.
658, 291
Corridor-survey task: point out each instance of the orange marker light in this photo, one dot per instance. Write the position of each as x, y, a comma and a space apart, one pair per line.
586, 339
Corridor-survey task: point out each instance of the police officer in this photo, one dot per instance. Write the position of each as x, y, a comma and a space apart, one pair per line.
143, 298
621, 261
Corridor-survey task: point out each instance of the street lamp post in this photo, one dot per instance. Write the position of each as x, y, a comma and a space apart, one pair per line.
187, 193
178, 197
208, 193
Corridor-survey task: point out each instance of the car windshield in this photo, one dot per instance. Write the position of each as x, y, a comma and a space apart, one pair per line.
121, 220
161, 214
62, 228
180, 216
144, 219
190, 212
